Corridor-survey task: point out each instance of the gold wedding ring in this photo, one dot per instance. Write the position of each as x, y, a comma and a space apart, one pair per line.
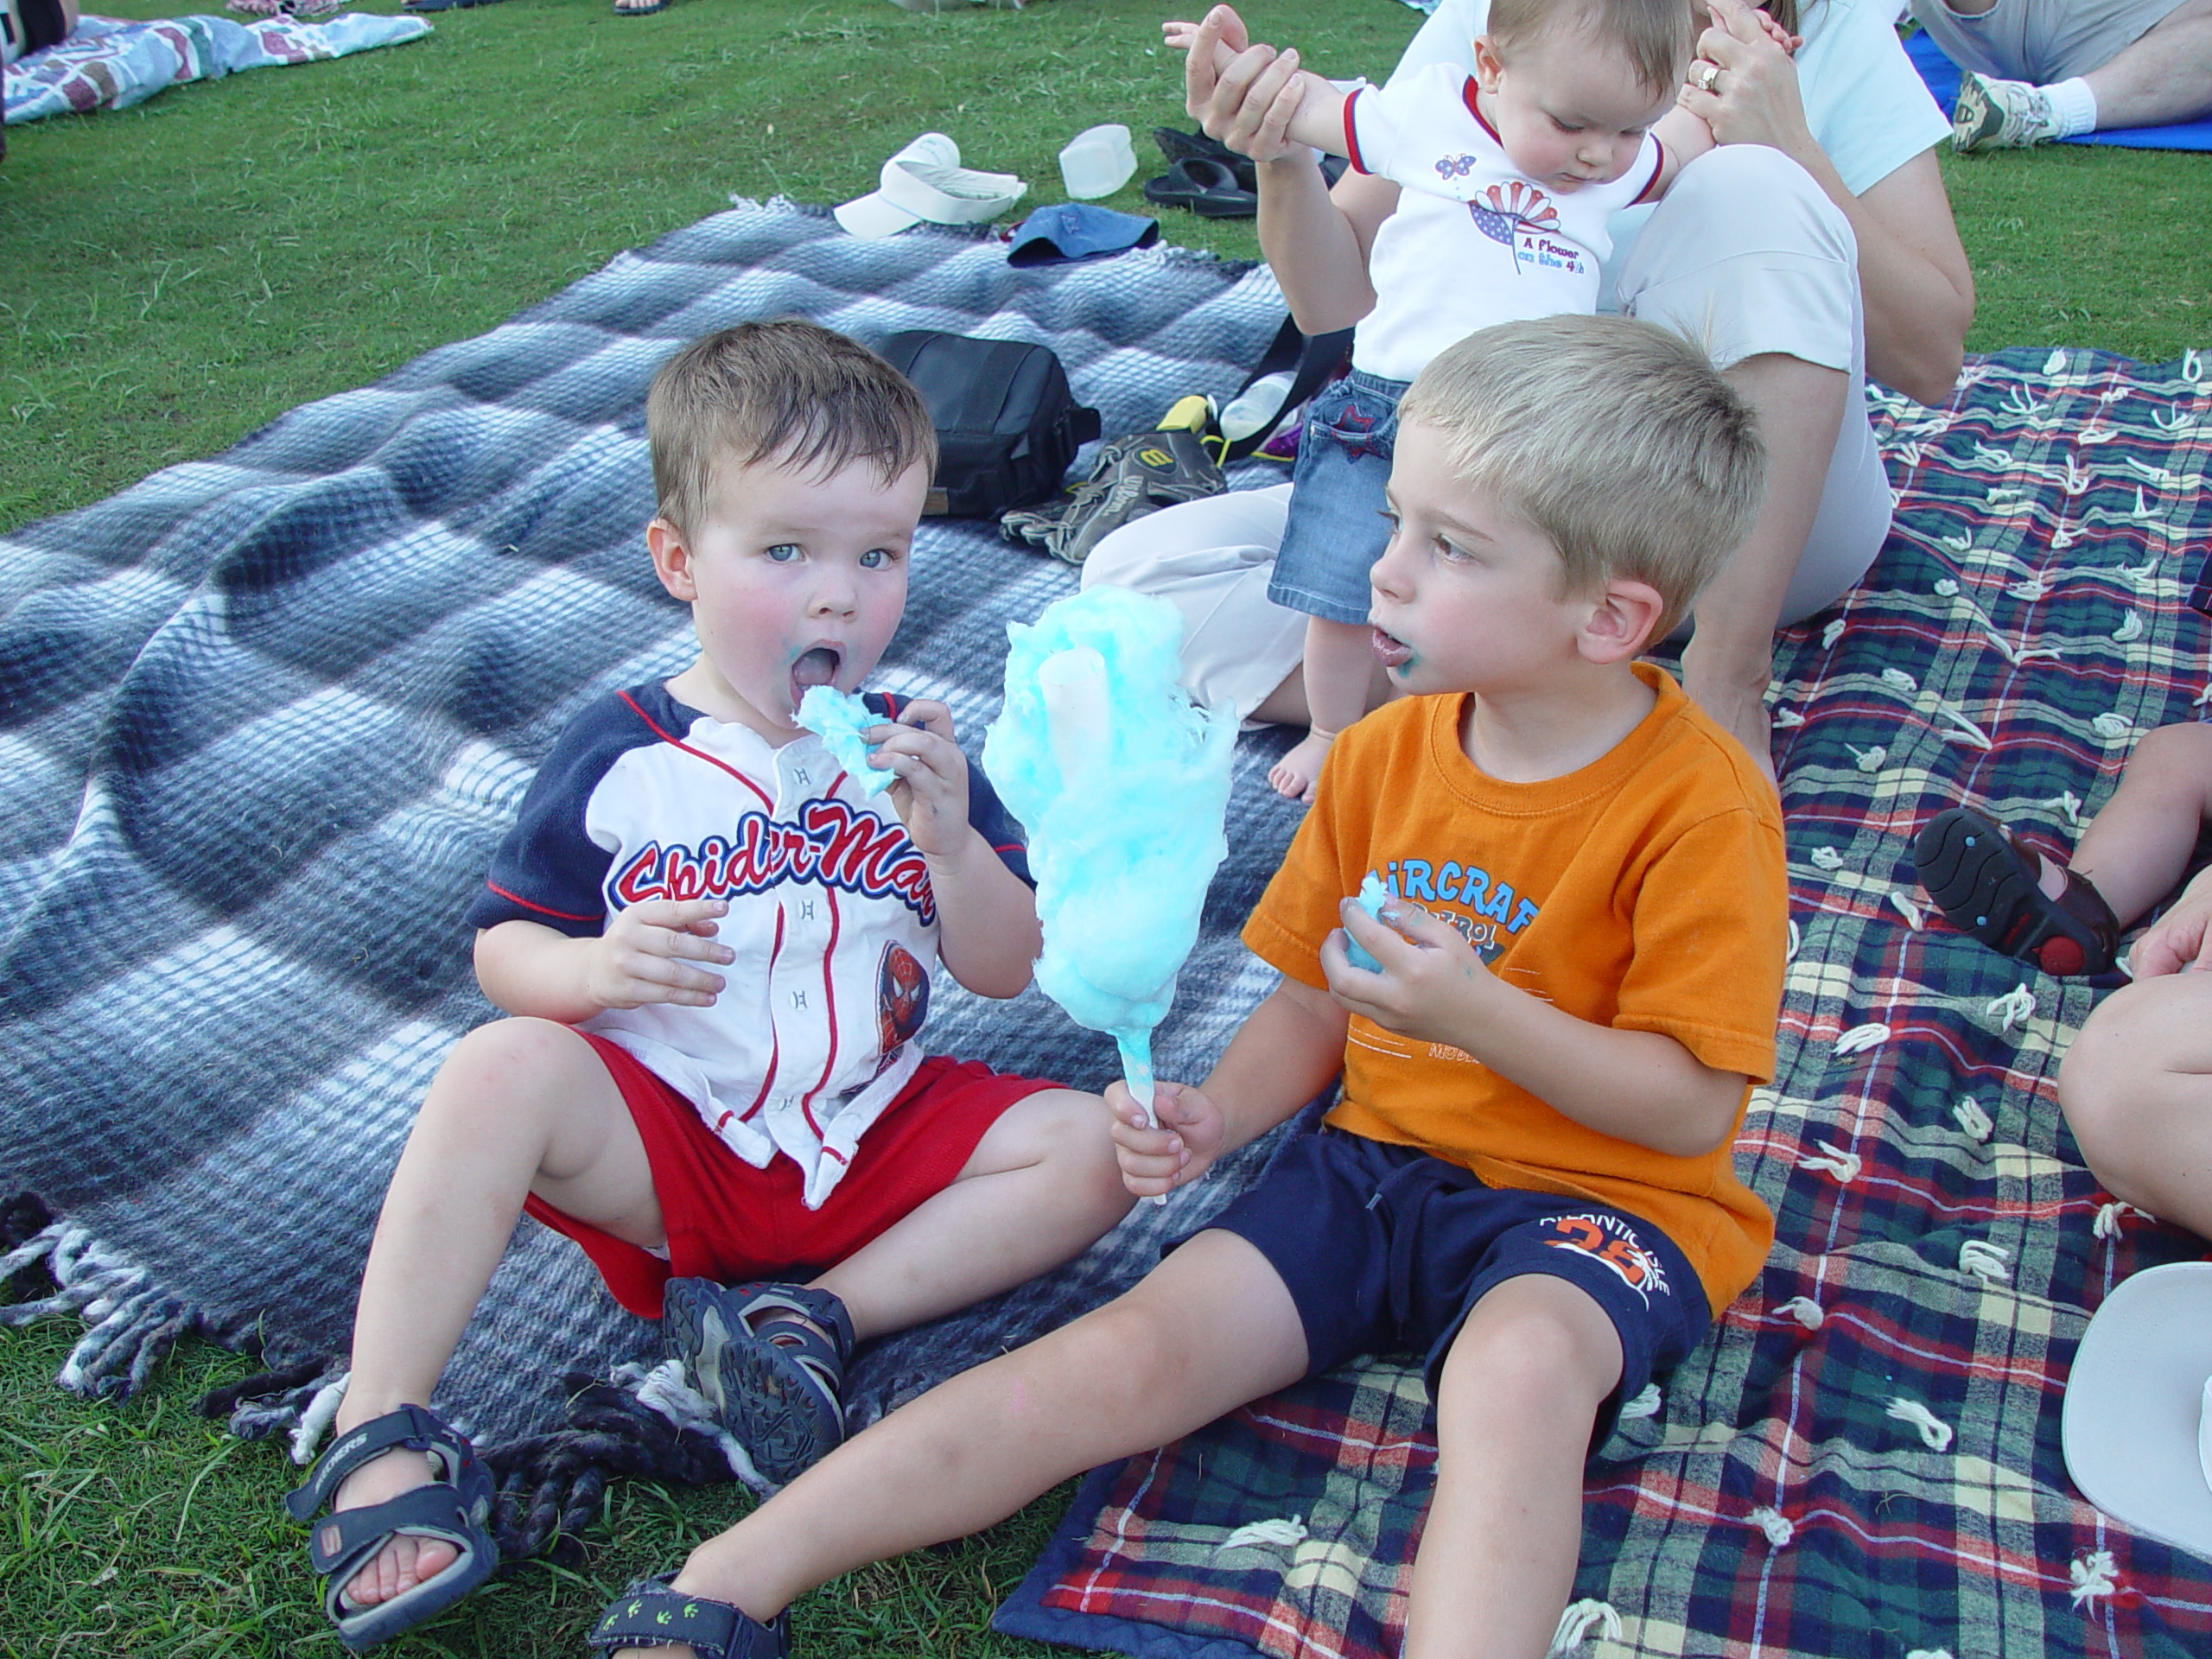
1707, 74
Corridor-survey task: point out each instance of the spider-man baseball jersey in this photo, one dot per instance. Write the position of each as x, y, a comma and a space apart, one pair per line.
831, 913
1473, 242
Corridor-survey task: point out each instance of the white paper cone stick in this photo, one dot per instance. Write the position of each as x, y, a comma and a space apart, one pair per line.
1076, 711
1136, 1068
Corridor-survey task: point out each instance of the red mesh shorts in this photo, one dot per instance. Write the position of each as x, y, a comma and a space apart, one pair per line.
730, 1222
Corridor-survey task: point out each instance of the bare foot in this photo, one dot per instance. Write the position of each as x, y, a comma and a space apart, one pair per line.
1293, 776
406, 1560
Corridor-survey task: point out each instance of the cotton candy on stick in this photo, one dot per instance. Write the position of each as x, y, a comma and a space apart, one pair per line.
1121, 783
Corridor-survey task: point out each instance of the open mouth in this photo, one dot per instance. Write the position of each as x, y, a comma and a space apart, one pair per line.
1391, 651
815, 666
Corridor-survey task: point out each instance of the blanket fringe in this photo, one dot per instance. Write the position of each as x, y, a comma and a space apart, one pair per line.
550, 1485
133, 1324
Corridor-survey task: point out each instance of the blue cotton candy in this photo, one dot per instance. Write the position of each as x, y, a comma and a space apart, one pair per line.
1373, 895
1123, 806
839, 718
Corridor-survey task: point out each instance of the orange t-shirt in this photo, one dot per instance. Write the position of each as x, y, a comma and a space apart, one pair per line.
1646, 890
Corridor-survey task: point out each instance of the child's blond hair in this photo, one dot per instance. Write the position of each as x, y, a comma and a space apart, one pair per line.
1655, 35
793, 391
1617, 439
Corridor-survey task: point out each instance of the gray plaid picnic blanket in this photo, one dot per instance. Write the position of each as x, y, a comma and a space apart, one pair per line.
1863, 1459
267, 715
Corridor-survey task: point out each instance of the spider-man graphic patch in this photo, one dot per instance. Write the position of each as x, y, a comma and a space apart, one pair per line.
902, 998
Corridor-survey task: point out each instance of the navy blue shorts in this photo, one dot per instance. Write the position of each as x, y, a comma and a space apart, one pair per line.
1336, 530
1385, 1250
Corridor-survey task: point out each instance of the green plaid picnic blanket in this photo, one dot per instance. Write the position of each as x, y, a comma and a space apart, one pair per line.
1863, 1460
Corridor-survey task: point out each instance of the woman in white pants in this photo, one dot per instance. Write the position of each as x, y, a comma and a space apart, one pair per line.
1814, 247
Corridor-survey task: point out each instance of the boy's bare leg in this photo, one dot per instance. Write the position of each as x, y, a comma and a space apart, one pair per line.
2136, 850
1040, 1188
1520, 1391
2136, 1088
1340, 669
1211, 1328
519, 1106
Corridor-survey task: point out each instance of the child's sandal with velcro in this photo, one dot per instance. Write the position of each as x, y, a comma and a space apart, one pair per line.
453, 1507
650, 1615
770, 1359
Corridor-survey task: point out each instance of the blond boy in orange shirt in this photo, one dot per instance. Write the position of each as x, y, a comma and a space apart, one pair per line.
1529, 1177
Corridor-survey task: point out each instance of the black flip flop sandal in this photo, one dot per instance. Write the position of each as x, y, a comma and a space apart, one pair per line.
650, 1615
1206, 188
1987, 883
1179, 146
453, 1507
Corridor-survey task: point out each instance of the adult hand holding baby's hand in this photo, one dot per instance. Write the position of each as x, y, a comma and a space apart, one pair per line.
931, 794
650, 953
1242, 93
1432, 980
1155, 1161
1743, 85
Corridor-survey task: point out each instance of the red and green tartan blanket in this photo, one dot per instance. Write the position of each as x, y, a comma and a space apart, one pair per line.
1863, 1460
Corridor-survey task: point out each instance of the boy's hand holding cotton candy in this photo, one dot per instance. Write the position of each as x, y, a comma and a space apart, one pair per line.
1430, 984
842, 719
1155, 1161
915, 756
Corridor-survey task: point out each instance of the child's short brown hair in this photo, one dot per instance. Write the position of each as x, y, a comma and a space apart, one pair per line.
1655, 35
790, 391
1617, 439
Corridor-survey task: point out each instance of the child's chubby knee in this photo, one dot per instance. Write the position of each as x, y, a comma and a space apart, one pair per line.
516, 1058
2184, 750
2140, 1031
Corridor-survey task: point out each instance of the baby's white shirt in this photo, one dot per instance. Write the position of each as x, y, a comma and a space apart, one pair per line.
1474, 241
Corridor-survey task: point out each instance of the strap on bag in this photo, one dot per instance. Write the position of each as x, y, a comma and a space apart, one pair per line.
1317, 359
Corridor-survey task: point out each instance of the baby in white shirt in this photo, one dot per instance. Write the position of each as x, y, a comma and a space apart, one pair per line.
1510, 177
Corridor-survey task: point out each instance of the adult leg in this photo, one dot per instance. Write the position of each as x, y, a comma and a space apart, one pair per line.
1211, 1328
2137, 849
1041, 1185
1212, 560
1520, 1392
519, 1106
2165, 76
2136, 1088
1748, 257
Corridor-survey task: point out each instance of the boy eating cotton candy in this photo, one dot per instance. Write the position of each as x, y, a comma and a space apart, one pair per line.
716, 945
1528, 1179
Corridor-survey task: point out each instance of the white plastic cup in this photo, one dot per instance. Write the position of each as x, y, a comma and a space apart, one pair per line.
1097, 162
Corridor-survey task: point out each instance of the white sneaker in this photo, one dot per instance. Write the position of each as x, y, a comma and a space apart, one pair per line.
2000, 115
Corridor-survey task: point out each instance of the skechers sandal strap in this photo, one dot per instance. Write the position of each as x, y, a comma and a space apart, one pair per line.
650, 1615
1987, 883
453, 1507
770, 1360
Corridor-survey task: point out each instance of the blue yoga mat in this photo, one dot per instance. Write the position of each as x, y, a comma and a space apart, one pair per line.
1943, 77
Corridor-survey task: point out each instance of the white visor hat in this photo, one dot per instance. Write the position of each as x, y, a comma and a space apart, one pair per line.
2137, 1423
926, 182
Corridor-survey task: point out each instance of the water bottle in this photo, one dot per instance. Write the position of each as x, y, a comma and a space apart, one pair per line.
1256, 405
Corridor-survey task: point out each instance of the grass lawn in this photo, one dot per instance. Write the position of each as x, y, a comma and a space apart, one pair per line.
178, 273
